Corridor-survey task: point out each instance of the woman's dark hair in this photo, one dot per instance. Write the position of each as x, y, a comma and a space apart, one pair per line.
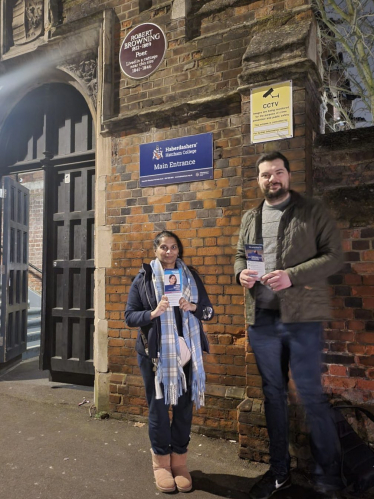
270, 156
168, 233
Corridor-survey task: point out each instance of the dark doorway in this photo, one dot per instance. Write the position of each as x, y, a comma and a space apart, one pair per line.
51, 128
69, 283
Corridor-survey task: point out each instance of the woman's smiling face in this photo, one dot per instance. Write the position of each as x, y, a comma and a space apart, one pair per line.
167, 252
172, 279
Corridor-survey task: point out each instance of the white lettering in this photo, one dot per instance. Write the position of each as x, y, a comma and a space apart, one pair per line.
182, 163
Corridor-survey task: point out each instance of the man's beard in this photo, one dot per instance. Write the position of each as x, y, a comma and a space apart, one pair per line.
278, 194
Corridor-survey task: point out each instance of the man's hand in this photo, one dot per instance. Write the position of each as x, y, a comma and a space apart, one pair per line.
248, 278
161, 307
277, 280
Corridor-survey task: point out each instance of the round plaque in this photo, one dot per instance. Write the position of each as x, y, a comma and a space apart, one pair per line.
142, 51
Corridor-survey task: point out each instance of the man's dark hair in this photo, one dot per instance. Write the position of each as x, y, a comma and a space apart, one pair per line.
168, 233
270, 156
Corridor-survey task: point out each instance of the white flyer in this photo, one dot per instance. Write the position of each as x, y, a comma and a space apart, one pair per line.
254, 254
173, 287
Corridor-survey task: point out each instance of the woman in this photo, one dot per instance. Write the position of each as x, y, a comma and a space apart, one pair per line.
160, 352
172, 279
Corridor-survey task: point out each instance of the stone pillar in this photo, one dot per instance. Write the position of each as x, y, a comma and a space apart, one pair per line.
282, 47
103, 231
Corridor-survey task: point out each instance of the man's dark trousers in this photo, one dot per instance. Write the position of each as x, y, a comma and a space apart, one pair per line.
276, 347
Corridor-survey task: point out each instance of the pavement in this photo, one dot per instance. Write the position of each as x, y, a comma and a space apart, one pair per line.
52, 447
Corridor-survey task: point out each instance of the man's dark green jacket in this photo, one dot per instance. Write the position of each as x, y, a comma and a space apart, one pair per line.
308, 248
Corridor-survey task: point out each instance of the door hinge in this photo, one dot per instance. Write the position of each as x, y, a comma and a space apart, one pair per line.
3, 193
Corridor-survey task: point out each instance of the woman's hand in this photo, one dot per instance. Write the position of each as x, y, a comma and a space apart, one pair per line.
161, 307
186, 306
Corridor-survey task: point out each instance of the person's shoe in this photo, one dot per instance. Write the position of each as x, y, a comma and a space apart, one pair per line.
182, 478
269, 484
330, 483
162, 471
333, 494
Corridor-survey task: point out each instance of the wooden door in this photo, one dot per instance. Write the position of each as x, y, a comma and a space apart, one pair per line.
69, 284
14, 279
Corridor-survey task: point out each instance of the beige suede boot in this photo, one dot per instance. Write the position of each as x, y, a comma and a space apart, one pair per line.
162, 471
180, 472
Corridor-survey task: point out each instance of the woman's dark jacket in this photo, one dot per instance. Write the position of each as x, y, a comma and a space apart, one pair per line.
141, 302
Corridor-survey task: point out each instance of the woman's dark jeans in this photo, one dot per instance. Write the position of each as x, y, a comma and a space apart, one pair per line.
276, 347
166, 437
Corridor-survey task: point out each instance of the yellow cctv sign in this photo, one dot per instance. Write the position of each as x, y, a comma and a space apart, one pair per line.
271, 112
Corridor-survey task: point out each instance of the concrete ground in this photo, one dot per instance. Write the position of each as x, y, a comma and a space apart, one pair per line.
51, 448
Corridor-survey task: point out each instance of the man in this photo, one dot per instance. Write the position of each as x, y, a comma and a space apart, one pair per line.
284, 308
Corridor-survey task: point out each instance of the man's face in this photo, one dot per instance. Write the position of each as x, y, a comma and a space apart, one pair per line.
274, 180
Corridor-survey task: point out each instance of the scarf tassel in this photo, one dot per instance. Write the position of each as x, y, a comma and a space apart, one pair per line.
173, 392
198, 392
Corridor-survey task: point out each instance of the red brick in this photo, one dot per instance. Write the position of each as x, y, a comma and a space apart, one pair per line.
356, 325
363, 384
338, 382
365, 338
352, 279
365, 268
368, 256
356, 349
338, 370
367, 361
362, 290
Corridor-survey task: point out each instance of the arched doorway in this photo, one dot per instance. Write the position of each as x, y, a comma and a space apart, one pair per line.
51, 129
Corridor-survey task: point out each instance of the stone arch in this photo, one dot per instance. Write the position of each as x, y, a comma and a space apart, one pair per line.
53, 117
63, 75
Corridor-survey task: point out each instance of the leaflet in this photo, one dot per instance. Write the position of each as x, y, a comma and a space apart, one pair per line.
254, 254
173, 288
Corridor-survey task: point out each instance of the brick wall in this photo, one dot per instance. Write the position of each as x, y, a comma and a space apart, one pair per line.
204, 53
344, 177
206, 216
194, 91
34, 181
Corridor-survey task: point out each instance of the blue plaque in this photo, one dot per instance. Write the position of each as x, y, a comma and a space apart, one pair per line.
186, 159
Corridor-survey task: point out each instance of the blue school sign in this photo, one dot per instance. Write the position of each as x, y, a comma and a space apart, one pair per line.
186, 159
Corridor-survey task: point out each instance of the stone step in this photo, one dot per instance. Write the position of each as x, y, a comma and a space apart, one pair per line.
31, 311
33, 331
33, 323
33, 336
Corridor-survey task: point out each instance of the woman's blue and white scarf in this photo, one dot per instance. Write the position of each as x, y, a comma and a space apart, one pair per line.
169, 367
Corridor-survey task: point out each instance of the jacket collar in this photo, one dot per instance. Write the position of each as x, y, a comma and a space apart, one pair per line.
146, 270
296, 199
